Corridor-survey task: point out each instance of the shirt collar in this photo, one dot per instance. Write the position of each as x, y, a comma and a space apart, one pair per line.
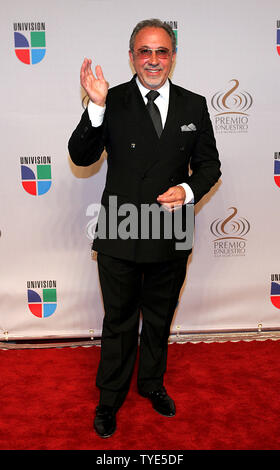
164, 90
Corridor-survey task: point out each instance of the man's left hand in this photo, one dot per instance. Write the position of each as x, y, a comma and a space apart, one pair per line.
173, 198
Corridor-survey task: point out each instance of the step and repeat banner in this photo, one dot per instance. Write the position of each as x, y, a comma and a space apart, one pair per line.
228, 52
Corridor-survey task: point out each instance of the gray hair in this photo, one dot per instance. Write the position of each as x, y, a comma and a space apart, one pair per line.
152, 23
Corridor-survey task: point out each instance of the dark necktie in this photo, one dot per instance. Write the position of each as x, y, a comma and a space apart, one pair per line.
154, 111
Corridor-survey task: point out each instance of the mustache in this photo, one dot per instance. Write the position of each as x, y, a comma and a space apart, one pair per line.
152, 66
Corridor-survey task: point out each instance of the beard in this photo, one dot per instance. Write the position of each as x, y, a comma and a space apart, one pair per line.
153, 82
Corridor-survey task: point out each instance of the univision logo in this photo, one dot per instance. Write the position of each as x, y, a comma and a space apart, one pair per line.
277, 168
231, 107
36, 177
174, 26
275, 290
30, 42
278, 36
42, 302
230, 235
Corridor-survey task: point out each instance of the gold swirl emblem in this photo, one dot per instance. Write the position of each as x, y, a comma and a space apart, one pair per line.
232, 102
230, 227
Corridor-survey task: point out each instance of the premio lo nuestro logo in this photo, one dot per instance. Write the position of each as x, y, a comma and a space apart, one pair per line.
230, 235
42, 302
278, 36
277, 168
231, 106
275, 290
36, 178
30, 42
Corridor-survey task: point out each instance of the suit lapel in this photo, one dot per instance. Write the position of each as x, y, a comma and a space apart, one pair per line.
171, 123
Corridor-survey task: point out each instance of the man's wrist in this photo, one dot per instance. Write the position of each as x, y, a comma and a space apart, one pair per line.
96, 113
189, 199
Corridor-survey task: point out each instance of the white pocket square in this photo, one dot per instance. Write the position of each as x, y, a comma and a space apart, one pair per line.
188, 128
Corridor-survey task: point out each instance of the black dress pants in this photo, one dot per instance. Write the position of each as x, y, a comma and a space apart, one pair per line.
129, 288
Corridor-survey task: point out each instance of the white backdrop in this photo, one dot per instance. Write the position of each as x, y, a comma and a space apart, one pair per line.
226, 52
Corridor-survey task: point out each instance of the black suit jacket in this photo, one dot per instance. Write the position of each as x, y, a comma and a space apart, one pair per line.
141, 166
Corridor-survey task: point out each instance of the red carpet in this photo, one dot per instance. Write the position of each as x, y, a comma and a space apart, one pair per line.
227, 397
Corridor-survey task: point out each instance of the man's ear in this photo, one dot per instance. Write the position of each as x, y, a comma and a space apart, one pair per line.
130, 56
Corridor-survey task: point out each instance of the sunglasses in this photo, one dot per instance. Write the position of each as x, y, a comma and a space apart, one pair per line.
146, 53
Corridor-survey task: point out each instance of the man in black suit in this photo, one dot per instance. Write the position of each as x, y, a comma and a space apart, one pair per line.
161, 155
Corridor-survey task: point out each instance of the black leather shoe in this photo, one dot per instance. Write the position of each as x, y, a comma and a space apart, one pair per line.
105, 421
161, 402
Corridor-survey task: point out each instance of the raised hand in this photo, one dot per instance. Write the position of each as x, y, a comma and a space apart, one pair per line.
95, 87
